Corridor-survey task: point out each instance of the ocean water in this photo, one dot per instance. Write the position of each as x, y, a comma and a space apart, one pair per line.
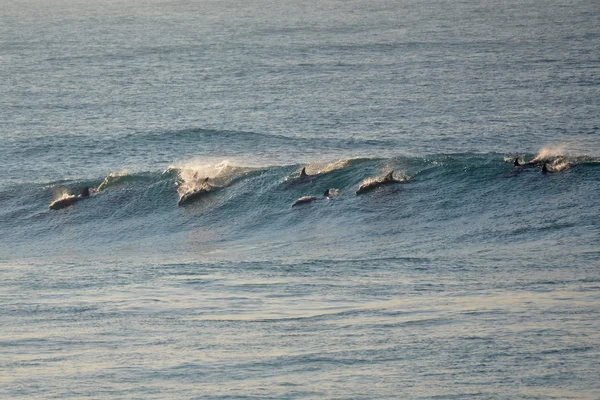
470, 279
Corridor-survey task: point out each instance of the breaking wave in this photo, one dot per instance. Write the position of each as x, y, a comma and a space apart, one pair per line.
254, 201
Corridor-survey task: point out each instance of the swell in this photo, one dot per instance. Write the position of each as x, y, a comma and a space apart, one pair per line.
73, 156
210, 141
453, 199
474, 172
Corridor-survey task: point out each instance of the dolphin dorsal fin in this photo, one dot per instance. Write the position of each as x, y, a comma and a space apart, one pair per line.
390, 176
303, 173
516, 163
206, 180
326, 194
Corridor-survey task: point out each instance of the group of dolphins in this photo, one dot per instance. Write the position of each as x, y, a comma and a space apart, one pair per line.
206, 187
329, 193
389, 179
534, 163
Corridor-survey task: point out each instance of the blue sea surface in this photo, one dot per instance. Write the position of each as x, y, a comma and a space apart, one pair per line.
471, 278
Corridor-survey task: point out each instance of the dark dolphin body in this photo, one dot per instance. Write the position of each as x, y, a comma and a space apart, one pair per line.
303, 178
192, 195
309, 199
523, 165
70, 200
388, 179
546, 170
538, 162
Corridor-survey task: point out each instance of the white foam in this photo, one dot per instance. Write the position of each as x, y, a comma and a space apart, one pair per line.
59, 193
316, 168
547, 152
193, 173
111, 178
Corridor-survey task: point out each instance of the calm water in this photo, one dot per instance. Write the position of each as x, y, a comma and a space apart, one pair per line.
471, 279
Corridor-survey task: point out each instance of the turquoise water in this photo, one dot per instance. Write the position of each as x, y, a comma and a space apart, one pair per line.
470, 279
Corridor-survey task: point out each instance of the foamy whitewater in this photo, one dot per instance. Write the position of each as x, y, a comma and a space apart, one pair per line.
469, 278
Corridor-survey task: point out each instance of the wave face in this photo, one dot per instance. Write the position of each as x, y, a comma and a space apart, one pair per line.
446, 202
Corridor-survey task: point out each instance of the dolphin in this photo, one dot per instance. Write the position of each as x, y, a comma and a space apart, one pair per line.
546, 170
69, 200
516, 163
194, 194
303, 178
303, 175
386, 180
329, 193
